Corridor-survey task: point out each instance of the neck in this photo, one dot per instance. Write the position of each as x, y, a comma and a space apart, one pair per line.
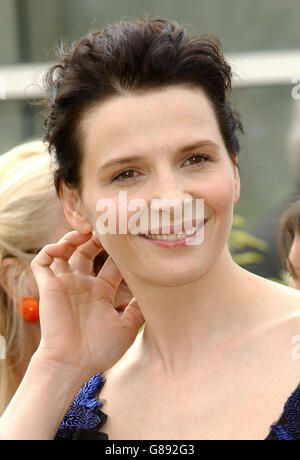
182, 322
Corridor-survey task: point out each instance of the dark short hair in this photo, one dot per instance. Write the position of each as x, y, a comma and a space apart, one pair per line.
288, 226
132, 55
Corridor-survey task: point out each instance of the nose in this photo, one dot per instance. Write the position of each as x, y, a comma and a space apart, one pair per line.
170, 197
168, 185
169, 193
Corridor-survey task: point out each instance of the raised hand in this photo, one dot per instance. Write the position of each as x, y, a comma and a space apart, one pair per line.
79, 325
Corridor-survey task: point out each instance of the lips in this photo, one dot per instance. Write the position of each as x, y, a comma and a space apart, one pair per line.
174, 241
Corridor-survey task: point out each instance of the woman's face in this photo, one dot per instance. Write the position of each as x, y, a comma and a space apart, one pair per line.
294, 259
160, 144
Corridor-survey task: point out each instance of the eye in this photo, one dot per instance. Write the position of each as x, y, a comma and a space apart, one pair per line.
197, 159
129, 175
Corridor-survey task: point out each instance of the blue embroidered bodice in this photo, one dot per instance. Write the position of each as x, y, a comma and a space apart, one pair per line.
85, 418
288, 426
84, 413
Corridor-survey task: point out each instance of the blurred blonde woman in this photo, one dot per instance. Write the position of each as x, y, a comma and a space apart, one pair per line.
30, 217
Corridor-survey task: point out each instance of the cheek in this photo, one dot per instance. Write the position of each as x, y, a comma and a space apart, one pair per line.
121, 215
117, 246
219, 194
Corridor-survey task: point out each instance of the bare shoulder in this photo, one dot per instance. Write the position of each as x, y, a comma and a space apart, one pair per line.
276, 326
283, 298
279, 304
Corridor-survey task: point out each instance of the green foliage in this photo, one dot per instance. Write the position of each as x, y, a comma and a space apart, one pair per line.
240, 239
285, 278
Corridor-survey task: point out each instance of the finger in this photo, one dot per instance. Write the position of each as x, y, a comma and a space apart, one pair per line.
110, 278
82, 259
40, 265
74, 239
133, 316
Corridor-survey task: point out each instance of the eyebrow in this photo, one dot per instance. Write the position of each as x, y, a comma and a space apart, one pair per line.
133, 158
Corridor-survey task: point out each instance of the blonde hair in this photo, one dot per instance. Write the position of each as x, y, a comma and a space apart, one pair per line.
27, 198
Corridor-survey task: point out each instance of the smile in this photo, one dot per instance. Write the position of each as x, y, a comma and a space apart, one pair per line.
174, 239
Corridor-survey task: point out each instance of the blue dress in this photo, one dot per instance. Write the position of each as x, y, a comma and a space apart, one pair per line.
85, 417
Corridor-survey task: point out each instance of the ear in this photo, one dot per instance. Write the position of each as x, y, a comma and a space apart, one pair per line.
72, 208
10, 270
237, 181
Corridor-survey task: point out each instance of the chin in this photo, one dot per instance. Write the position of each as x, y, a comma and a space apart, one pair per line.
175, 274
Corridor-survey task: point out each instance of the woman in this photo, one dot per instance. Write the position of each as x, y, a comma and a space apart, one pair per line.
142, 108
31, 216
288, 239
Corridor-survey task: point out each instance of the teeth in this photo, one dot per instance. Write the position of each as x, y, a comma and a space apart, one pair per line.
164, 237
173, 236
191, 231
